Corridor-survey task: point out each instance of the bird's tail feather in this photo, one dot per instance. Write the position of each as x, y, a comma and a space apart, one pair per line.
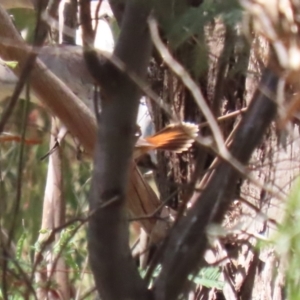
175, 137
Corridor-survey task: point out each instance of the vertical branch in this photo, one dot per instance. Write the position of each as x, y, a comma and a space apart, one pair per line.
70, 21
59, 215
108, 228
53, 216
54, 204
13, 226
59, 267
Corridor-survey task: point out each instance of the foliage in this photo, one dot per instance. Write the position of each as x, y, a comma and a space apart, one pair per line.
287, 242
11, 64
208, 277
72, 245
193, 21
25, 21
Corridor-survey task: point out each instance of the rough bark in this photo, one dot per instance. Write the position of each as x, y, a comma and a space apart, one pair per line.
115, 273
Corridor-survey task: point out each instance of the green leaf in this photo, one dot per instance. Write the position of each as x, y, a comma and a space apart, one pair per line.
25, 21
11, 63
287, 242
20, 245
193, 21
208, 277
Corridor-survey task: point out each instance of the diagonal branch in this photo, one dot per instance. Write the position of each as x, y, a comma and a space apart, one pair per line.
74, 114
188, 240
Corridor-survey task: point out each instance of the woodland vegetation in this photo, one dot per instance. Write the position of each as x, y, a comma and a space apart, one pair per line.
80, 218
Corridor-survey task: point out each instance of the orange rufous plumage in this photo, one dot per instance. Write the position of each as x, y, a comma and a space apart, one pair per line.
175, 137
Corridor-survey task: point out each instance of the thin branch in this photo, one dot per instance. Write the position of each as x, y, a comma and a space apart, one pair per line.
39, 37
189, 83
188, 240
20, 170
221, 151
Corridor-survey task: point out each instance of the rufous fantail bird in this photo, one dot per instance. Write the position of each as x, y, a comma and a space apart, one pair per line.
174, 137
